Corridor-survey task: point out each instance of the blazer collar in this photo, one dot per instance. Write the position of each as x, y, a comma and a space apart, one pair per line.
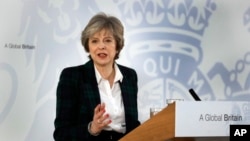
88, 72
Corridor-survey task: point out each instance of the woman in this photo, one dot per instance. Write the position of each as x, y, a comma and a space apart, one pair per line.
97, 101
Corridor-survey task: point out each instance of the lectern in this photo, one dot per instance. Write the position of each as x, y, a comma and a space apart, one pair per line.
160, 127
188, 121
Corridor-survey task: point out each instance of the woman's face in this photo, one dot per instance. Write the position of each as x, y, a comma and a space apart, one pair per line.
102, 48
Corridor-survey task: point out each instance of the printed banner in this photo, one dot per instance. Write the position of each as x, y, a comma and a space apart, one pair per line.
210, 118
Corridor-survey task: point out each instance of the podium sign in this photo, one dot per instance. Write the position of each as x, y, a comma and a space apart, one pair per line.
191, 120
209, 118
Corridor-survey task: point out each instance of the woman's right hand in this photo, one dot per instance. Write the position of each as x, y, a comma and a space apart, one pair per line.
100, 119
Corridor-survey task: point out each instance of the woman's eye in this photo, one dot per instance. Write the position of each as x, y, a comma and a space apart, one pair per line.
94, 41
108, 41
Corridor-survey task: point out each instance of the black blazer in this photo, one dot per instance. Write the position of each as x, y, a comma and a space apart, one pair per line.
78, 95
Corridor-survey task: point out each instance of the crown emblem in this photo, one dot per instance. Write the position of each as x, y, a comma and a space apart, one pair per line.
176, 14
179, 25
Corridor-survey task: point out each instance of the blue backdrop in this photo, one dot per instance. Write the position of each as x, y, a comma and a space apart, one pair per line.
174, 45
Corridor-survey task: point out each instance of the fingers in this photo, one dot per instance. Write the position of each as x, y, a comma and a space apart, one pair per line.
99, 116
99, 107
104, 120
100, 119
99, 111
102, 106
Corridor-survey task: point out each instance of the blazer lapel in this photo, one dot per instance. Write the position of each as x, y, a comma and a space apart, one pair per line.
90, 84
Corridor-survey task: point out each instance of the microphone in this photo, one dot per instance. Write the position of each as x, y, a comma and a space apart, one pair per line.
194, 95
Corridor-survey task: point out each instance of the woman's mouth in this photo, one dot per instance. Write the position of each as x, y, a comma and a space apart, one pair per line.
102, 55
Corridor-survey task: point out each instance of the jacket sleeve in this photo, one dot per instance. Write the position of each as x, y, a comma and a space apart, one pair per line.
67, 125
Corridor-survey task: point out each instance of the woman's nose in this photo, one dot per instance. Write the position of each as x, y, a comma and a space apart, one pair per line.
101, 45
